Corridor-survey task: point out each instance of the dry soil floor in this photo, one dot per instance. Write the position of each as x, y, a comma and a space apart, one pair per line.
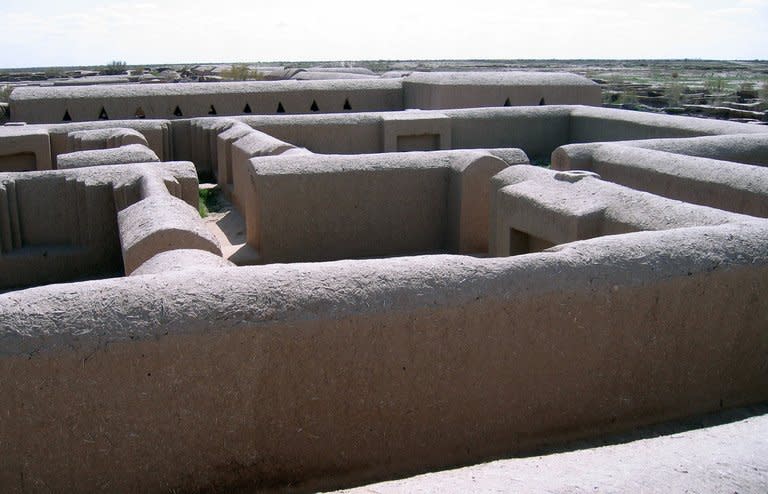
228, 226
726, 458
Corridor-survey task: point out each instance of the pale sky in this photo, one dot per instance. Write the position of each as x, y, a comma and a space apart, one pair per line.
95, 32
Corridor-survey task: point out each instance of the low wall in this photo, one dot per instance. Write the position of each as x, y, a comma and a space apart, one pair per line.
315, 376
158, 134
415, 131
164, 219
224, 141
326, 134
202, 144
727, 185
61, 225
160, 223
131, 153
188, 259
607, 124
428, 91
250, 145
24, 148
368, 205
55, 228
537, 130
170, 101
750, 149
535, 208
87, 140
190, 375
444, 90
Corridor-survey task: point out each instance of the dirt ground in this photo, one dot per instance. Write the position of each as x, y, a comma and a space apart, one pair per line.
725, 453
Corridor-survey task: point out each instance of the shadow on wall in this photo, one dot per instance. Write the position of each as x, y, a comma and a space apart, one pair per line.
5, 113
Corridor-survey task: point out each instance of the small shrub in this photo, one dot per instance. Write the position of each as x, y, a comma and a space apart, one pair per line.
114, 67
5, 93
628, 97
714, 85
747, 90
241, 72
674, 93
208, 202
616, 80
53, 73
611, 97
202, 207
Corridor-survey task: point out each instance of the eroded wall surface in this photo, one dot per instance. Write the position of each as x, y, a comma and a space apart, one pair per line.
426, 91
320, 374
624, 307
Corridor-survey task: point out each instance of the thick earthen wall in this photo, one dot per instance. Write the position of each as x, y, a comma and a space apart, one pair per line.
677, 171
169, 101
606, 124
318, 375
60, 225
533, 208
426, 91
158, 134
131, 153
368, 205
24, 148
191, 375
536, 130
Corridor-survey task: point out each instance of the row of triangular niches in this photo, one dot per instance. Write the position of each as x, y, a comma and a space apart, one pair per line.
246, 109
139, 113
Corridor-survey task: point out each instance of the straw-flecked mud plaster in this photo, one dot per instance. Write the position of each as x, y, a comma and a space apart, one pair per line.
193, 375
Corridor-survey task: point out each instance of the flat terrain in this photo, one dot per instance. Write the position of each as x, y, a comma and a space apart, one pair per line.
727, 457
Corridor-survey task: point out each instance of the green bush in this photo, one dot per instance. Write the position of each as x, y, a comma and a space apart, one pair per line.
714, 85
241, 72
114, 67
628, 97
208, 202
54, 73
5, 93
203, 197
674, 93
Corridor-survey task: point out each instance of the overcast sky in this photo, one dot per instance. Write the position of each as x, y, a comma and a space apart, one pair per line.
90, 32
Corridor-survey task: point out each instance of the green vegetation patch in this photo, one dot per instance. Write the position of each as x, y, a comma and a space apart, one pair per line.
208, 201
